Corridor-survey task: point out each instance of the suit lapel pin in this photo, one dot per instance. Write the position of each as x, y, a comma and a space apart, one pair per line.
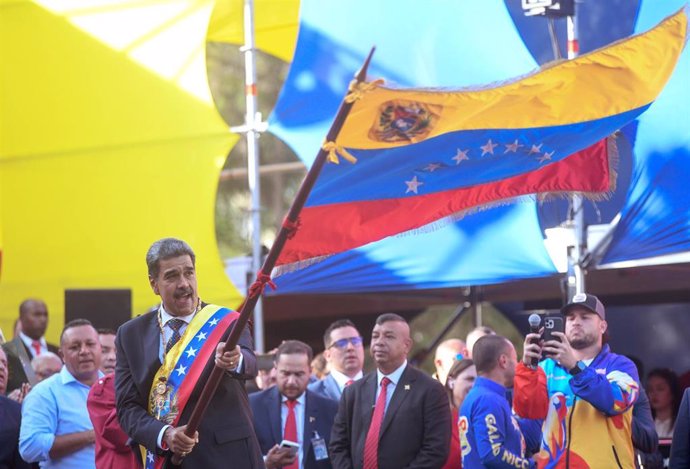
407, 387
312, 419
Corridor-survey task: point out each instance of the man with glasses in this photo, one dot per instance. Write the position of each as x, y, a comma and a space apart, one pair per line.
345, 356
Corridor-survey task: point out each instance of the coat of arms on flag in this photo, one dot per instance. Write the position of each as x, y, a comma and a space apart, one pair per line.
424, 157
404, 121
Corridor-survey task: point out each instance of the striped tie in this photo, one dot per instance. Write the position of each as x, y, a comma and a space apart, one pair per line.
175, 325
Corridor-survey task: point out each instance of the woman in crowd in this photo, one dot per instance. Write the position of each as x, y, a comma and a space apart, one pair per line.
664, 394
459, 382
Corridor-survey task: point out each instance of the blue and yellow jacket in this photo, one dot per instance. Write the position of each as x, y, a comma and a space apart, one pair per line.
490, 435
587, 418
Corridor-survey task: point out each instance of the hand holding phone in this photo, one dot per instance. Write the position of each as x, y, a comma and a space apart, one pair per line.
281, 455
290, 445
553, 324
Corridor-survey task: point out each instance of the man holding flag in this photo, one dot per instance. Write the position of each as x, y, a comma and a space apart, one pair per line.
163, 354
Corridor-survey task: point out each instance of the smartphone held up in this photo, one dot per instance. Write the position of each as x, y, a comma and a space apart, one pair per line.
547, 325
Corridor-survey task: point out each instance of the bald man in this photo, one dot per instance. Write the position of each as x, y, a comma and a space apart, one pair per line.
446, 353
29, 343
474, 335
46, 365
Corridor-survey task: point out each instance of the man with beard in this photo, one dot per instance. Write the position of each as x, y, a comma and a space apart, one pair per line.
344, 352
583, 392
288, 411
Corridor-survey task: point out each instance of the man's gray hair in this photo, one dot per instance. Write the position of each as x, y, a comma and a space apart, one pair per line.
166, 248
44, 357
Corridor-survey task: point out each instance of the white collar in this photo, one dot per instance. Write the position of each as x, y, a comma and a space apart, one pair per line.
28, 340
394, 377
165, 316
342, 379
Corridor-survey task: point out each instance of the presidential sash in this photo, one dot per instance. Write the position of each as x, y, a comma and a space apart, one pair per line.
175, 380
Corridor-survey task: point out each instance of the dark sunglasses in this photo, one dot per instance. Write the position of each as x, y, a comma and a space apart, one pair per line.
342, 343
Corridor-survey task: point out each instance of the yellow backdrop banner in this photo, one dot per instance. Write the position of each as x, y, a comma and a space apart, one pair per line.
276, 24
109, 140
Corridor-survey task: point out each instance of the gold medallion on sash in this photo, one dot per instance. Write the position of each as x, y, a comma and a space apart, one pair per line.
163, 402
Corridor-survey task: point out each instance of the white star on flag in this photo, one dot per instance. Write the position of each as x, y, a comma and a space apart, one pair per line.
150, 457
535, 149
413, 185
431, 167
512, 147
181, 370
201, 336
214, 322
546, 156
191, 352
460, 156
488, 148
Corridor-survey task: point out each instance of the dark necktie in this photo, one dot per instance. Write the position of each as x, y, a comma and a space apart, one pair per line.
290, 431
371, 444
175, 325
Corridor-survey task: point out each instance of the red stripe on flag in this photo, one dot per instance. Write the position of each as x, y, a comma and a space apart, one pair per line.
334, 228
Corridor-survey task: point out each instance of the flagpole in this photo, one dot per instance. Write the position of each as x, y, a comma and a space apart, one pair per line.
254, 179
576, 275
263, 277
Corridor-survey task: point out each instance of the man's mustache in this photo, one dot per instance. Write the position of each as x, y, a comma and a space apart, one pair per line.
183, 292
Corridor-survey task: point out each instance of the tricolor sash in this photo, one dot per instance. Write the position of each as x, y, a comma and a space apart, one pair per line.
175, 380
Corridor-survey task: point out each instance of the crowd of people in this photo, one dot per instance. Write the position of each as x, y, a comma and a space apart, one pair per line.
105, 399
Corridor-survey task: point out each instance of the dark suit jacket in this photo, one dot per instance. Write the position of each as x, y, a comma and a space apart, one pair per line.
10, 420
318, 416
680, 448
415, 432
17, 375
226, 434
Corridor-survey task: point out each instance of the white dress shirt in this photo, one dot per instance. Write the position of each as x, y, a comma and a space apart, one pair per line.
28, 341
342, 379
394, 377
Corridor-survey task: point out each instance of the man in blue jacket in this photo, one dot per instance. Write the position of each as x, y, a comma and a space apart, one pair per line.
344, 352
489, 434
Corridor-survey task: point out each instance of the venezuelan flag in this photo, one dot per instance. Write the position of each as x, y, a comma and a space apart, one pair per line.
419, 156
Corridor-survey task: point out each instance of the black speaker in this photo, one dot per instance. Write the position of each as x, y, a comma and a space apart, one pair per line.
105, 308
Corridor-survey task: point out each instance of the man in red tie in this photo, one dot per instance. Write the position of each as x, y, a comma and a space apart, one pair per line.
29, 343
344, 352
288, 411
395, 417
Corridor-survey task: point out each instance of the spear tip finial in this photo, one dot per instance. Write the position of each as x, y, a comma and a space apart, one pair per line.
362, 74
